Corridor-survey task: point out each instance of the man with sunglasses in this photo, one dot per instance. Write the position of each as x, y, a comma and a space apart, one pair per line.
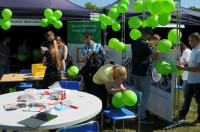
193, 82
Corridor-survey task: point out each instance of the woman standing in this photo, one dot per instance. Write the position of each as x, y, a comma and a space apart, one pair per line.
63, 51
52, 60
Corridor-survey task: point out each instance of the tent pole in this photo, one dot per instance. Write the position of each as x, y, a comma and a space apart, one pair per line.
123, 30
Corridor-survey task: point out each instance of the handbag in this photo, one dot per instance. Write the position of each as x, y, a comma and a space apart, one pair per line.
69, 61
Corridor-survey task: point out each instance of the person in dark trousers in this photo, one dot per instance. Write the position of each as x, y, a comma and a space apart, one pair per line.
91, 50
141, 56
193, 82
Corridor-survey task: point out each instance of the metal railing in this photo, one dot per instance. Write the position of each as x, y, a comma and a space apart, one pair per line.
128, 65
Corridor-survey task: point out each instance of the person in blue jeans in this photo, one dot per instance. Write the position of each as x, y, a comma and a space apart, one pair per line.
141, 55
193, 83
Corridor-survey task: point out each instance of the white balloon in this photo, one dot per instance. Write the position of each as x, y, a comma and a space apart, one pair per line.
156, 76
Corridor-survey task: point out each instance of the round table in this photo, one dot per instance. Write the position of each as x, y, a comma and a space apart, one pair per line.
89, 106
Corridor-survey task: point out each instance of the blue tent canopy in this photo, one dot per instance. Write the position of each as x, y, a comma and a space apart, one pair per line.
35, 8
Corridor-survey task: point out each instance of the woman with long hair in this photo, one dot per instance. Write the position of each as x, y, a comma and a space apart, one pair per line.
52, 60
63, 51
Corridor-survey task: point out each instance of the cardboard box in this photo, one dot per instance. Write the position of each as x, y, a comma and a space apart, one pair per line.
38, 69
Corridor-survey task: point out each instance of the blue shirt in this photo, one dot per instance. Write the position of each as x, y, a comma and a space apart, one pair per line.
96, 48
194, 77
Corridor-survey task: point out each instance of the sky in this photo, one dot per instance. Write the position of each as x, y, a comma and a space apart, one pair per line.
184, 3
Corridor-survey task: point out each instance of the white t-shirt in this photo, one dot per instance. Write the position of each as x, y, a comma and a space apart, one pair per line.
185, 57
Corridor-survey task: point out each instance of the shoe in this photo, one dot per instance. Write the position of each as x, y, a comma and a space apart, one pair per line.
196, 122
146, 120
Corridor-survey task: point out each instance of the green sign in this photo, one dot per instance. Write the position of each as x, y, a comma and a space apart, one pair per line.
77, 29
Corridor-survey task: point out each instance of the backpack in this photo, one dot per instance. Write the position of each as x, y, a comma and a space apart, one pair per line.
95, 61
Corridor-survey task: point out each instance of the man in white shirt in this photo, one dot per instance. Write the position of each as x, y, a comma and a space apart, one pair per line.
184, 59
193, 82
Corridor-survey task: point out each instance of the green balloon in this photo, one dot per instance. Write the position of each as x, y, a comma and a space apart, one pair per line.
113, 13
113, 42
168, 6
57, 14
58, 24
44, 22
6, 24
120, 47
6, 13
48, 13
164, 19
21, 57
144, 24
164, 46
149, 5
138, 6
156, 7
115, 6
152, 21
117, 100
36, 52
108, 20
179, 72
102, 17
125, 2
173, 35
135, 34
103, 25
11, 90
164, 68
134, 22
52, 20
116, 26
73, 70
122, 8
129, 98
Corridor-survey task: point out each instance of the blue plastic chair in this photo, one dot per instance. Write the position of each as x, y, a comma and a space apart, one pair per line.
92, 126
24, 85
124, 113
66, 84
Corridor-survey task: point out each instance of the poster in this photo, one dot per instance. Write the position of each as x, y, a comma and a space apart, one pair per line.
161, 96
76, 31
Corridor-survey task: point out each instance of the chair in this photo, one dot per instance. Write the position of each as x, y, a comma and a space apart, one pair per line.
74, 85
92, 126
124, 113
24, 85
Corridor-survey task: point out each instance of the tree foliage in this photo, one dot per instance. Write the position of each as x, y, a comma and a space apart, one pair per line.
194, 8
92, 6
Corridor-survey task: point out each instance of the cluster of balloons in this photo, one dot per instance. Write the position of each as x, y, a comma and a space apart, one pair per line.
73, 71
113, 13
126, 98
5, 22
117, 45
52, 17
160, 11
164, 46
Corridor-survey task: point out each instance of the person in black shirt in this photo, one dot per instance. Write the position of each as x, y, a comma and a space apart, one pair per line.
141, 55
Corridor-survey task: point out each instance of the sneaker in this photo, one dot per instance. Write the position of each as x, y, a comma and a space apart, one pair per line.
146, 120
196, 122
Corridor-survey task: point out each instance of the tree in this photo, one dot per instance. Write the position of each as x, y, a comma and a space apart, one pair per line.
194, 8
92, 6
